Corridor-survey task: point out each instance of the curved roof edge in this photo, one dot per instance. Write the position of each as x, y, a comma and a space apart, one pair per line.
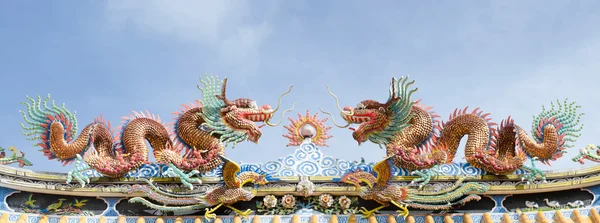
573, 215
55, 183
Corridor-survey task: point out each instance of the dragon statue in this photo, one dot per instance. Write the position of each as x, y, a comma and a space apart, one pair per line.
203, 129
229, 193
383, 192
16, 157
422, 143
590, 152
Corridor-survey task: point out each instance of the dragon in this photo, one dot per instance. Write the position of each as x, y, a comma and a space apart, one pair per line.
422, 143
203, 129
16, 157
590, 152
231, 192
381, 190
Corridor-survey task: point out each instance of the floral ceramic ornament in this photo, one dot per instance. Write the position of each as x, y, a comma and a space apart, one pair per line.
344, 202
305, 186
326, 200
270, 201
288, 201
307, 127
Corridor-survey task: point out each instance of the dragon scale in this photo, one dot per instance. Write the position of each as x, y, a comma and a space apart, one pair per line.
201, 129
419, 141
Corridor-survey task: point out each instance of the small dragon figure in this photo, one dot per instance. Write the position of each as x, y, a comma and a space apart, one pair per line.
234, 178
422, 143
203, 129
16, 157
590, 152
381, 190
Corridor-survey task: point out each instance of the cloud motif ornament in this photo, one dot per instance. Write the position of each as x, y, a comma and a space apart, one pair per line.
308, 160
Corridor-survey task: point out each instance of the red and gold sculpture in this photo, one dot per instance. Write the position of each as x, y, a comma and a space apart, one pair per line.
202, 130
421, 143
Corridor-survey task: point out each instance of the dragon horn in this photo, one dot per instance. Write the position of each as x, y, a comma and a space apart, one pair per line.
223, 96
393, 90
268, 121
337, 103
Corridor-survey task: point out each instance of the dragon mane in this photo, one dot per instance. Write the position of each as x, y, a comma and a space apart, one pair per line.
399, 106
211, 111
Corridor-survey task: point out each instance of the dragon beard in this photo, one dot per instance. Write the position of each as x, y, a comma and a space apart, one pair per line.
374, 121
244, 119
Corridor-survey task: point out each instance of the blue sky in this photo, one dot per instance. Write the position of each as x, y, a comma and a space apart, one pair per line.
111, 57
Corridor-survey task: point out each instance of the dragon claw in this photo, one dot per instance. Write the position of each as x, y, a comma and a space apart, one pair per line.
185, 178
424, 176
402, 213
366, 213
77, 172
209, 215
245, 214
533, 173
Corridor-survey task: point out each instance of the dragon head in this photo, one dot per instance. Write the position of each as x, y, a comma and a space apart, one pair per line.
590, 152
351, 179
234, 120
357, 177
243, 114
378, 122
371, 116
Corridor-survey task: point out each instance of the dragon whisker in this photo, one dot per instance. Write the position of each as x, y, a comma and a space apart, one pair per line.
333, 120
268, 121
279, 102
337, 103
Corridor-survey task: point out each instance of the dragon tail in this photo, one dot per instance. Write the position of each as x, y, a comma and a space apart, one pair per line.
447, 190
53, 128
553, 131
164, 198
447, 196
435, 207
167, 208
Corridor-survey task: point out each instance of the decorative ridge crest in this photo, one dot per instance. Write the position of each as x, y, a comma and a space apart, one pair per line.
307, 160
309, 128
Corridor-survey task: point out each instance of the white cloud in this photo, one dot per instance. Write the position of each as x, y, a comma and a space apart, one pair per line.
228, 28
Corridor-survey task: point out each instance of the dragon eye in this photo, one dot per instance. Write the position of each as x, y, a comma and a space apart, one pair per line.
253, 105
360, 106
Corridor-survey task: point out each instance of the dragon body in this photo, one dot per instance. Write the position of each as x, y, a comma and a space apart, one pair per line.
379, 189
232, 191
420, 142
16, 157
201, 129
